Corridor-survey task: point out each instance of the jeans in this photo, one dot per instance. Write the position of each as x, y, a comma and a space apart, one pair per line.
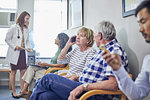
54, 87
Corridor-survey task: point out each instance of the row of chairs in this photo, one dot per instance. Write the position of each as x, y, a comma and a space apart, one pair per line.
91, 92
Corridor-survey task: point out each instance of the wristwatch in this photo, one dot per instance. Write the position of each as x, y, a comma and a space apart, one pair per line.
85, 86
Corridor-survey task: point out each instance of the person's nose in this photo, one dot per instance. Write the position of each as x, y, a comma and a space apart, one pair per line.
141, 29
78, 37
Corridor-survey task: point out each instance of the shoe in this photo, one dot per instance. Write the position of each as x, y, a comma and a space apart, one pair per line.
23, 95
16, 97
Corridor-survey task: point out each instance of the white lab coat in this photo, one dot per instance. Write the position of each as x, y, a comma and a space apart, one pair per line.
12, 40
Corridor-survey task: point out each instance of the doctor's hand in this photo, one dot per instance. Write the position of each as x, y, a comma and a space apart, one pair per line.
38, 63
18, 48
29, 50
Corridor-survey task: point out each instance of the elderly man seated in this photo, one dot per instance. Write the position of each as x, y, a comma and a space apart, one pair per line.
96, 75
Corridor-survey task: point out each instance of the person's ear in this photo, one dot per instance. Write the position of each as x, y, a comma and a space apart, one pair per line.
99, 35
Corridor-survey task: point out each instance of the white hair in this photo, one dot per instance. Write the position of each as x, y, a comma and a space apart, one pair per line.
107, 29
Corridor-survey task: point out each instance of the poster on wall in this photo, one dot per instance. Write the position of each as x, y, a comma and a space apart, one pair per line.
129, 6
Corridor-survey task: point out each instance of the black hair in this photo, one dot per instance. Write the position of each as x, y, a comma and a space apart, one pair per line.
143, 4
63, 38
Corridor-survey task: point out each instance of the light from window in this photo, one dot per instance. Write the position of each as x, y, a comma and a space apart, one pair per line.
3, 45
47, 24
8, 4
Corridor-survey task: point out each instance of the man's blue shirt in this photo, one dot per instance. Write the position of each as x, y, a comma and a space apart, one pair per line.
98, 69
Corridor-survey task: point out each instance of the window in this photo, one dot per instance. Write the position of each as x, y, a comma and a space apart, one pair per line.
3, 45
47, 24
8, 5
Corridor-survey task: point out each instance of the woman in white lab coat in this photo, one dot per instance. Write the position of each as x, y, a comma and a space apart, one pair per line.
17, 39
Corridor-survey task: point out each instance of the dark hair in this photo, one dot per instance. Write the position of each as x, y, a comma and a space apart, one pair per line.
63, 38
20, 19
144, 4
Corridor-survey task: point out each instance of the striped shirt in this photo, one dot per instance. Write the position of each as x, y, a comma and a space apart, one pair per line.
98, 69
77, 60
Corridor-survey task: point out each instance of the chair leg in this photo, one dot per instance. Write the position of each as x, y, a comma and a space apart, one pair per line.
123, 97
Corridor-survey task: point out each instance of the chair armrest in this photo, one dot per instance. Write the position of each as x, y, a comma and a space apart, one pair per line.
62, 74
130, 75
95, 92
54, 68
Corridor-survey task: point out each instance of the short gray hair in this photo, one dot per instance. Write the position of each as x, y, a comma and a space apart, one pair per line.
107, 29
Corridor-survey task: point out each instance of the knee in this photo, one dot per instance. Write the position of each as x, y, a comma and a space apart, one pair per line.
50, 75
22, 71
13, 72
30, 68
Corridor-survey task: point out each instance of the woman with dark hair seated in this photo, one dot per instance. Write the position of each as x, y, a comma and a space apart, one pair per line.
34, 73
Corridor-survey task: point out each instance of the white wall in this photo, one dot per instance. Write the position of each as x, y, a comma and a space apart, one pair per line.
26, 5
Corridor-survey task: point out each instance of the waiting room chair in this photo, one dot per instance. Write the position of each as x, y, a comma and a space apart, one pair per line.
55, 69
102, 92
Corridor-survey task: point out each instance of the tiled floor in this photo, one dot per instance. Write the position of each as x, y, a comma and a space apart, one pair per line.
5, 93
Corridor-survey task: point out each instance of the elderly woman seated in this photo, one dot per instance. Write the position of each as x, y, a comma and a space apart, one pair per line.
81, 55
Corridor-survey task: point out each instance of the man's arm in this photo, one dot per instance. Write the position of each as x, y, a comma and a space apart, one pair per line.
110, 84
134, 91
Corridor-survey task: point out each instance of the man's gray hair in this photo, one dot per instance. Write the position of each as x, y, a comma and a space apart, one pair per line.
107, 29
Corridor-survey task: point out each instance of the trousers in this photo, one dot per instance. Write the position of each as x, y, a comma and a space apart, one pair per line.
54, 87
32, 74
